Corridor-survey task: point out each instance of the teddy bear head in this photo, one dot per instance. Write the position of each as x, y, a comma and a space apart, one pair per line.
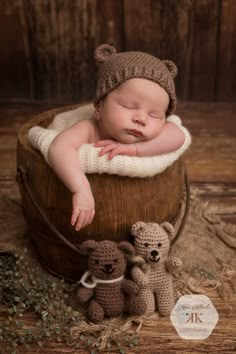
152, 241
107, 259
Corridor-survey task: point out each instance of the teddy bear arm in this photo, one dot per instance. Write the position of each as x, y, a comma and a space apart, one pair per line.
84, 294
139, 276
173, 263
129, 287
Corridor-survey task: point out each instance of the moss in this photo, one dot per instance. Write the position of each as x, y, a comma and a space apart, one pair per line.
27, 288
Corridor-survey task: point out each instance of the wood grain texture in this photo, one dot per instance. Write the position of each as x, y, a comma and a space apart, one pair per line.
204, 57
211, 157
110, 27
161, 337
61, 38
47, 45
15, 60
226, 85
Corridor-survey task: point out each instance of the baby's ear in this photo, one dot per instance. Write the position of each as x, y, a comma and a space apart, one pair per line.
87, 246
169, 229
97, 111
126, 248
171, 67
137, 227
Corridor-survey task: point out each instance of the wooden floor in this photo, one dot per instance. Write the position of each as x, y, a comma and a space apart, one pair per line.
211, 159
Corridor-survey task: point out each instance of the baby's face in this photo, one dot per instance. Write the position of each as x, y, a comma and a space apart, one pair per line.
134, 111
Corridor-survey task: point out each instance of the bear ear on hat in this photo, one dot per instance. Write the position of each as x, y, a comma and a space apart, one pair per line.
171, 67
87, 246
169, 229
103, 52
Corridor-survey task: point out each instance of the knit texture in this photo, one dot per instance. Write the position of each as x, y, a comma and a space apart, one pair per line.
107, 261
116, 68
152, 243
91, 162
140, 275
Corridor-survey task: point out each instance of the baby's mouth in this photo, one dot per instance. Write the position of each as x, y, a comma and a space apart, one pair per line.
135, 132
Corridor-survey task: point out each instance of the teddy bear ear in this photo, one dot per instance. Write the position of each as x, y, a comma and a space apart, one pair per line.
103, 52
87, 246
127, 248
138, 226
169, 229
171, 67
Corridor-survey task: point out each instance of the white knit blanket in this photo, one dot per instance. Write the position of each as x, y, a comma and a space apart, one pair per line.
91, 162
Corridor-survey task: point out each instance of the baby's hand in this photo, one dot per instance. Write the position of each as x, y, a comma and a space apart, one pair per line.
83, 209
115, 148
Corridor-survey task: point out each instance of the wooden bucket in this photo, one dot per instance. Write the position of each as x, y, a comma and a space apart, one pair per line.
119, 202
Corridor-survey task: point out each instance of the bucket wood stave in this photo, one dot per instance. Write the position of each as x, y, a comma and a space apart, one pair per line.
119, 202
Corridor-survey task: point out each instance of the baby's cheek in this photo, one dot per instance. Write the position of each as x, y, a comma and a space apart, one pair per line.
160, 125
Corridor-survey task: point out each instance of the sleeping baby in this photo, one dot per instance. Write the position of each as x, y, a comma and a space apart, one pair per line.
135, 94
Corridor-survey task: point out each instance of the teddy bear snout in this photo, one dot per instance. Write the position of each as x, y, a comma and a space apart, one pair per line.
154, 256
154, 253
108, 268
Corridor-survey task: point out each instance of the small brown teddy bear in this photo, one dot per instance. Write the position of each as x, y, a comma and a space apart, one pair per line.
153, 269
107, 286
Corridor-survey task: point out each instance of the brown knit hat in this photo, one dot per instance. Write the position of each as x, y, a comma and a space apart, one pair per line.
117, 68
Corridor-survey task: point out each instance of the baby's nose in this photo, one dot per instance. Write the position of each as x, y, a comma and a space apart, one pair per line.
139, 118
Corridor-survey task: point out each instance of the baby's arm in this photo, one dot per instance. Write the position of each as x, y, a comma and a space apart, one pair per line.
63, 158
170, 139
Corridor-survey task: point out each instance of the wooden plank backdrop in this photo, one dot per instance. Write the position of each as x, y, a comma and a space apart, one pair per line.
47, 45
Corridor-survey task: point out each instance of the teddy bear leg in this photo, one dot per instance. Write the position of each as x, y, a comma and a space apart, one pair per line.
165, 302
136, 306
95, 312
149, 299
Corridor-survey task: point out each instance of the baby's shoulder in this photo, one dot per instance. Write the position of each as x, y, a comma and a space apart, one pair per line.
83, 124
86, 127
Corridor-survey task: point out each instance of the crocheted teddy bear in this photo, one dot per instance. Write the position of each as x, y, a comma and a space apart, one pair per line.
104, 283
152, 271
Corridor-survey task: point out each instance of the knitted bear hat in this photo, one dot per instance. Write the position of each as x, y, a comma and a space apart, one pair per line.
117, 68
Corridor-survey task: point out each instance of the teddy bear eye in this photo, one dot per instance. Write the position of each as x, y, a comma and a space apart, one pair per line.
146, 244
97, 261
159, 244
116, 260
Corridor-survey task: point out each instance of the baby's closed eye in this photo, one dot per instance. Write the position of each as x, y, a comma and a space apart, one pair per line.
128, 105
156, 115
